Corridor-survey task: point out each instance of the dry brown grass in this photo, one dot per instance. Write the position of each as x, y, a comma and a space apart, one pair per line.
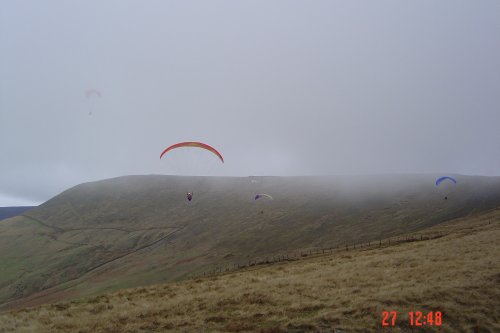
458, 274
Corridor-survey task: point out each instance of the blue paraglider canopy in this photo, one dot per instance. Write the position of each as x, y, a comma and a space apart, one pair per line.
442, 179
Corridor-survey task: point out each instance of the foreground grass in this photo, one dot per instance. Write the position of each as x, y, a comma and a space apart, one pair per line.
457, 274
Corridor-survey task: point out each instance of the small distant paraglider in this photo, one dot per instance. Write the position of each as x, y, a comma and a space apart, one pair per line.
263, 195
189, 196
92, 93
443, 179
253, 180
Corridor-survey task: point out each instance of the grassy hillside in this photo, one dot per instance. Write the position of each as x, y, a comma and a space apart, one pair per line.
457, 273
139, 230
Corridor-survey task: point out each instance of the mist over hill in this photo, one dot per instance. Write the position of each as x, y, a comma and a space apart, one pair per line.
139, 230
6, 212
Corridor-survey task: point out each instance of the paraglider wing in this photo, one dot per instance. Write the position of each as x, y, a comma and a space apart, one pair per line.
91, 92
196, 145
258, 196
442, 179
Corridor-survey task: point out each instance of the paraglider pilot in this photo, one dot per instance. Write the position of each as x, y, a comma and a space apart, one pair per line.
189, 196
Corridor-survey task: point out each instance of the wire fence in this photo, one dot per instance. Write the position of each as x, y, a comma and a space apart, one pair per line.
287, 256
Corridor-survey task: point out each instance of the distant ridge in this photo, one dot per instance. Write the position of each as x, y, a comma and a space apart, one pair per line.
6, 212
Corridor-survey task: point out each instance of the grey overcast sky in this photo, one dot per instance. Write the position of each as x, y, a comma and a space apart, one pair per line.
279, 87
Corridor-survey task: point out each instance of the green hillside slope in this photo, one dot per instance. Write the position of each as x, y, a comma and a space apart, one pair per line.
456, 274
139, 230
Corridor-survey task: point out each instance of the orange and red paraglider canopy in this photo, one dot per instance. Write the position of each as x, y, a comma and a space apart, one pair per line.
195, 145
